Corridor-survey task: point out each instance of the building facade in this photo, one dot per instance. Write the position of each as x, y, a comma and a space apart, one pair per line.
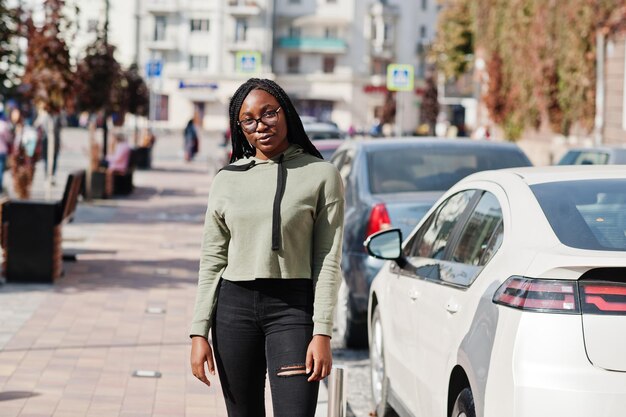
329, 55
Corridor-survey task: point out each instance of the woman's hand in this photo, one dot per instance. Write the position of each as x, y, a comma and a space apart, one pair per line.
319, 358
200, 353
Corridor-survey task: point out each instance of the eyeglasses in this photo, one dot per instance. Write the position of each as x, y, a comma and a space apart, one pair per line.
269, 118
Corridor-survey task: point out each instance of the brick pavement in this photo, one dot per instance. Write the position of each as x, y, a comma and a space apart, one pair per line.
69, 349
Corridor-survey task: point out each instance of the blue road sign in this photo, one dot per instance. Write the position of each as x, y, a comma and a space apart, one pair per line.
154, 67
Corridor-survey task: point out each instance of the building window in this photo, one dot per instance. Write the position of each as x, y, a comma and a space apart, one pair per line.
379, 66
294, 1
423, 31
241, 30
199, 25
92, 25
198, 62
331, 33
424, 4
293, 64
161, 107
160, 25
329, 64
388, 34
294, 32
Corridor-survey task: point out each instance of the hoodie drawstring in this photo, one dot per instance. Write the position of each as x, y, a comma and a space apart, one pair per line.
280, 190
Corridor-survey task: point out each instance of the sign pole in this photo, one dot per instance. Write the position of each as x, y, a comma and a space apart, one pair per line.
400, 78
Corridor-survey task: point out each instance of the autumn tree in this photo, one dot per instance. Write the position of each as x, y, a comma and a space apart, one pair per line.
540, 56
429, 110
48, 75
98, 74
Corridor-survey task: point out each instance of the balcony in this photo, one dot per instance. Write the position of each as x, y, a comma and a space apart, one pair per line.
316, 45
243, 8
167, 44
162, 6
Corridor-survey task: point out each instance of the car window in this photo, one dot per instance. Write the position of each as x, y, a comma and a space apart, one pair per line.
478, 231
432, 239
586, 214
585, 158
410, 169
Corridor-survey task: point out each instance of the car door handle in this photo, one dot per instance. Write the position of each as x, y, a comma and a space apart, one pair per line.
414, 294
452, 307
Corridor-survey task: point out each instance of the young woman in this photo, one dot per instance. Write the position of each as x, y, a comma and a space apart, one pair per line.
270, 263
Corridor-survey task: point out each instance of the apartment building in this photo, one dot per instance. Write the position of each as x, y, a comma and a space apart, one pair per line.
329, 55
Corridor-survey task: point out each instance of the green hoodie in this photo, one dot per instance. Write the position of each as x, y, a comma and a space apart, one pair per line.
276, 218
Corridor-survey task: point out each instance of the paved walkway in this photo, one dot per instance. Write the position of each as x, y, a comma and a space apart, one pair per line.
70, 349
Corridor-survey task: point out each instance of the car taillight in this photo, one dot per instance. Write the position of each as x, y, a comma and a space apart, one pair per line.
379, 220
548, 296
598, 297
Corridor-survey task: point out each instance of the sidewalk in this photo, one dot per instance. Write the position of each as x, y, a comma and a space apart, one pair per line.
70, 349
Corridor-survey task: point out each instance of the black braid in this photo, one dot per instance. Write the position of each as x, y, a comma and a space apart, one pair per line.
295, 129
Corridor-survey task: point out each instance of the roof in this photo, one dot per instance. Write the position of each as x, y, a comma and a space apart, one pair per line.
556, 173
381, 143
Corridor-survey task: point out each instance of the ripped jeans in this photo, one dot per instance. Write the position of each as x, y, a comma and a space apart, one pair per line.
265, 325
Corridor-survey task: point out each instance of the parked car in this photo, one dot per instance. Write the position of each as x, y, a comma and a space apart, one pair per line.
602, 155
327, 147
507, 299
323, 130
393, 182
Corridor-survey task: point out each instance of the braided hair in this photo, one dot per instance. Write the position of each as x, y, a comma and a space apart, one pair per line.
295, 129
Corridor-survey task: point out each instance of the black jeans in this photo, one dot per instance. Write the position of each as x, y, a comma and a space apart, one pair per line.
260, 325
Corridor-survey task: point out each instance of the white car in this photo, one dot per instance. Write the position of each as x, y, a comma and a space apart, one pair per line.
508, 299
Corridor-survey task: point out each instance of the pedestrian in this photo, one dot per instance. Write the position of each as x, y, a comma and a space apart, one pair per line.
191, 140
118, 161
267, 288
57, 123
6, 141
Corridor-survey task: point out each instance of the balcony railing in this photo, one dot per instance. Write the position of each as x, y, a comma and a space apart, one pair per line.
167, 44
325, 45
243, 8
162, 6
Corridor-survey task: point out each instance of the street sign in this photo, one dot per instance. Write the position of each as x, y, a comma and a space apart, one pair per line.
400, 77
154, 68
248, 62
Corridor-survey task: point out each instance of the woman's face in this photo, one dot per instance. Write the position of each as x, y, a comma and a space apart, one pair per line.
268, 140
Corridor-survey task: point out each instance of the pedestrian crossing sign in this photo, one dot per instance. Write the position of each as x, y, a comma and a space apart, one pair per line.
400, 77
248, 62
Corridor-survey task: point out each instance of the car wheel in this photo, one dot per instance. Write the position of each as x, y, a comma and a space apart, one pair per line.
379, 380
349, 333
464, 404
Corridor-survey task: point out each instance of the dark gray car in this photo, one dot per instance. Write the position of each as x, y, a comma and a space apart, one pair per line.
601, 155
393, 183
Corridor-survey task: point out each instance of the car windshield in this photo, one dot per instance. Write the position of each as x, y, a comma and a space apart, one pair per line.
586, 214
410, 169
584, 158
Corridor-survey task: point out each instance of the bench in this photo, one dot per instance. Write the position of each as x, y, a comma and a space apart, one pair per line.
32, 234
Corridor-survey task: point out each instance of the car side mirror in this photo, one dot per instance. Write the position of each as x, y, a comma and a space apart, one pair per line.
386, 245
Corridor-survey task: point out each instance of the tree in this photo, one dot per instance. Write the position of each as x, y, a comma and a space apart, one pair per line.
98, 74
429, 109
48, 76
9, 51
540, 56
